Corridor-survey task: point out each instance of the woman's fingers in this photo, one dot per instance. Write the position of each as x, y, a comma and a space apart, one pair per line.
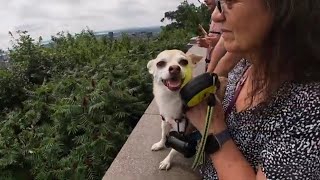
198, 113
212, 40
202, 42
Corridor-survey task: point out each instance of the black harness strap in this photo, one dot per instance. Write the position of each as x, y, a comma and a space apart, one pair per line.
178, 121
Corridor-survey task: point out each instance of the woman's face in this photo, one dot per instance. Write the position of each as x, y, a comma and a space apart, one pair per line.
245, 24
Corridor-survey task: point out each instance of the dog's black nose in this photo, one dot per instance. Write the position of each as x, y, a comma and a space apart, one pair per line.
174, 69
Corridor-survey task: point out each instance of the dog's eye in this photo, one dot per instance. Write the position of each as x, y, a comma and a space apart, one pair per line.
161, 64
183, 62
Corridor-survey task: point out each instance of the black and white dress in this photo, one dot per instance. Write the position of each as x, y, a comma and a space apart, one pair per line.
284, 138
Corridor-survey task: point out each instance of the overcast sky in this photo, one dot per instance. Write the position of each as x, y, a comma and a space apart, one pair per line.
47, 17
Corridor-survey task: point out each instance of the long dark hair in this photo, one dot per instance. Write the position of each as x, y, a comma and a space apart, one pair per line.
292, 47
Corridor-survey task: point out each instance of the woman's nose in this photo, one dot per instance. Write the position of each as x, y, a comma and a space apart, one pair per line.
216, 16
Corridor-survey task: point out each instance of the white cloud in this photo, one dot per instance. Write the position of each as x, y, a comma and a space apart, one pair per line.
48, 17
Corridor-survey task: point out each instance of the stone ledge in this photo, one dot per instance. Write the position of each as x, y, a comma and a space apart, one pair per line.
136, 160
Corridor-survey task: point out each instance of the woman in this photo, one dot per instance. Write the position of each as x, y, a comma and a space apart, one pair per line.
268, 124
210, 40
217, 60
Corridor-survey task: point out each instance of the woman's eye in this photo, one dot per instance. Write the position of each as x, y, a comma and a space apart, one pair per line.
161, 64
183, 62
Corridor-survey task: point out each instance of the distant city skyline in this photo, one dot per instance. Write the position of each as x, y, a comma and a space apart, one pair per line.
48, 17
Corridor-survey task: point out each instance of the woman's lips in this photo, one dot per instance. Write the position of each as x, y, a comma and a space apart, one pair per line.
225, 33
225, 30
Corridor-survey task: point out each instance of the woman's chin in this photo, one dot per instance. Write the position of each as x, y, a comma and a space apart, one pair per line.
232, 47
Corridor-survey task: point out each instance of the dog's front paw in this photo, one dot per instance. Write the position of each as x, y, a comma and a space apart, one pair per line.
157, 146
165, 164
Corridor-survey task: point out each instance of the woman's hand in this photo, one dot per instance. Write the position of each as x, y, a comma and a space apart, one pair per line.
208, 41
197, 115
202, 42
212, 39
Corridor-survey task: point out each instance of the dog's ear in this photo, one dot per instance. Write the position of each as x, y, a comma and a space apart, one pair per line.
194, 58
150, 66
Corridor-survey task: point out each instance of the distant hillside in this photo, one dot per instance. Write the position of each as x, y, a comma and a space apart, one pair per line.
137, 31
154, 29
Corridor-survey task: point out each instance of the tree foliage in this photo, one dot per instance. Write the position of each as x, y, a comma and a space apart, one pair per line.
188, 16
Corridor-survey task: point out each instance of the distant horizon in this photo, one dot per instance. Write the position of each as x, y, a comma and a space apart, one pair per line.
117, 30
132, 29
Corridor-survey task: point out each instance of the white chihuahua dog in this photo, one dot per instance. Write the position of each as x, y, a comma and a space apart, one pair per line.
169, 71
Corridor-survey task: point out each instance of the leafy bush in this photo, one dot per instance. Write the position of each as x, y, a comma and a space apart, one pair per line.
79, 100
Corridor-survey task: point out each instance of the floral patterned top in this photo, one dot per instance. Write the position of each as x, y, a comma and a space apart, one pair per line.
284, 138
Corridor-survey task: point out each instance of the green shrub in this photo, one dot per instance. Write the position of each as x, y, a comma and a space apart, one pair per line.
79, 100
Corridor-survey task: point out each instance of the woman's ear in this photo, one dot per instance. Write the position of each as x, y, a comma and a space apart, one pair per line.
150, 66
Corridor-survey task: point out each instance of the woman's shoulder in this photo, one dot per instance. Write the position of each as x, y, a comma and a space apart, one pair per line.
233, 77
302, 94
297, 104
236, 73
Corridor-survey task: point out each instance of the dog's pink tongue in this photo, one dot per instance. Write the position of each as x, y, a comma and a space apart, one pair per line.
173, 84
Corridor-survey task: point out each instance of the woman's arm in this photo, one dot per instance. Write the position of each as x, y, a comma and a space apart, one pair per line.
217, 53
229, 162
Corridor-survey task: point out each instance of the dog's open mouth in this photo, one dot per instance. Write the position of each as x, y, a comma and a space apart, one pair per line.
173, 84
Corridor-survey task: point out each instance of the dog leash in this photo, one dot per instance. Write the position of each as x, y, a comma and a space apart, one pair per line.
200, 154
